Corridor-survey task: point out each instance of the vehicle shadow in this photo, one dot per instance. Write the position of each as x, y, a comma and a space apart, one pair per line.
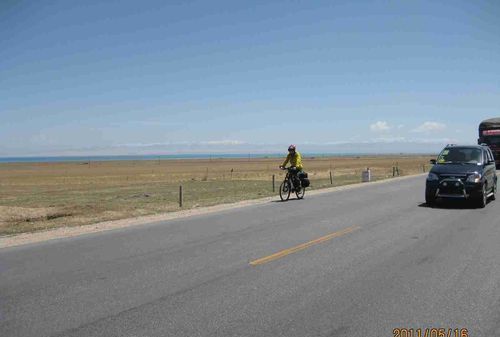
450, 204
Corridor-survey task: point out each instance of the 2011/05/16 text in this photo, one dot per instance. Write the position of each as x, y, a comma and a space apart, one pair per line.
430, 332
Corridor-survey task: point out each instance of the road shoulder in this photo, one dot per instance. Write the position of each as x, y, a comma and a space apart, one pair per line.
67, 232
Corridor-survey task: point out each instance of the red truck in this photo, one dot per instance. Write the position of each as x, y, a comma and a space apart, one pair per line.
489, 134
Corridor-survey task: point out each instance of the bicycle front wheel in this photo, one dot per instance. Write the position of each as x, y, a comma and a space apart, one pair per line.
285, 190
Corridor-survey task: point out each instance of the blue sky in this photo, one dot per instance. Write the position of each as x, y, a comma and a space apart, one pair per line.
128, 77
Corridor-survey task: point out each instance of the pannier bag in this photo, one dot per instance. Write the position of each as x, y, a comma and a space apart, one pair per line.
304, 180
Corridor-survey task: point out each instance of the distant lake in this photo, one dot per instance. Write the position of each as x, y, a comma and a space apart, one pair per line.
163, 157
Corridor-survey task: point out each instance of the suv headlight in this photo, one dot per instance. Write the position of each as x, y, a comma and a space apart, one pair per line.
432, 177
474, 178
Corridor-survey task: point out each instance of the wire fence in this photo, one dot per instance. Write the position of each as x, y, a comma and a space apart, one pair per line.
40, 196
238, 186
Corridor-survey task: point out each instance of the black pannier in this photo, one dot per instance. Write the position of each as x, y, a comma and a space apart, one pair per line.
304, 180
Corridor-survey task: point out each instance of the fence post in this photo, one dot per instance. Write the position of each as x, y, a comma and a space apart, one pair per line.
180, 196
331, 178
273, 184
423, 167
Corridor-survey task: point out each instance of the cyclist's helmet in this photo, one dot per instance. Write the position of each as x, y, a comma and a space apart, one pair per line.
291, 148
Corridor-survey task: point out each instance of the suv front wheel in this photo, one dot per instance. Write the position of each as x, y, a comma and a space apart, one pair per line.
430, 199
483, 197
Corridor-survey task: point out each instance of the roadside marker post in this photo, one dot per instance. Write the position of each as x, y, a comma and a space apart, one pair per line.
331, 178
366, 175
273, 183
180, 196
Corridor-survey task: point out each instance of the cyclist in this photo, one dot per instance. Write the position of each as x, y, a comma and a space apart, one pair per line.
295, 160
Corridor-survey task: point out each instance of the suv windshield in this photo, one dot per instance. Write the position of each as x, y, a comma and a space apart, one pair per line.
460, 155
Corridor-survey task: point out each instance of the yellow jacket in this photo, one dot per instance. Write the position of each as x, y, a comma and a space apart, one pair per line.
295, 160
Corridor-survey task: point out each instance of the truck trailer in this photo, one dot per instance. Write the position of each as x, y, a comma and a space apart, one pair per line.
489, 134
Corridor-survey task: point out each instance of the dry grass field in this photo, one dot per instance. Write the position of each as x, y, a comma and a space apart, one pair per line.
37, 196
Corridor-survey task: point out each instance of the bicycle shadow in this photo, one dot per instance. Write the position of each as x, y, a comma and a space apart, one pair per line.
291, 199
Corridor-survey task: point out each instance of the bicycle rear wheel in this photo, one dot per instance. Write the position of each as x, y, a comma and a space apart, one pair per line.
300, 194
285, 190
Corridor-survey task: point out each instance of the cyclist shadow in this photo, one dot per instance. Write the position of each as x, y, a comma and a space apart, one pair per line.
291, 199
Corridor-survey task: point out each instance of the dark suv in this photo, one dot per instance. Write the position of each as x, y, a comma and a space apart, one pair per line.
462, 172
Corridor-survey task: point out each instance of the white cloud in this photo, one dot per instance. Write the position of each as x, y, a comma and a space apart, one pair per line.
430, 127
227, 142
223, 142
389, 139
380, 126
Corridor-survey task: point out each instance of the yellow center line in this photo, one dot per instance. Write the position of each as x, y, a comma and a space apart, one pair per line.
303, 246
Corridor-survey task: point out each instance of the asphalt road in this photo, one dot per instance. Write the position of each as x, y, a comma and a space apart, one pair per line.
359, 262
